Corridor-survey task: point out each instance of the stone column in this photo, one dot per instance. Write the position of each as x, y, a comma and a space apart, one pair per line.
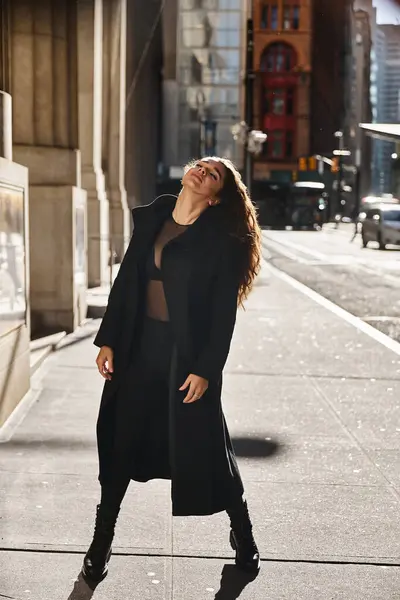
90, 76
44, 90
5, 125
170, 118
114, 91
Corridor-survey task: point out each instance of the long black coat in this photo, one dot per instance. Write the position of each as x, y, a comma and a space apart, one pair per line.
200, 274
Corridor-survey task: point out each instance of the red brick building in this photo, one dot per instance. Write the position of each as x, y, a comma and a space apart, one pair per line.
299, 52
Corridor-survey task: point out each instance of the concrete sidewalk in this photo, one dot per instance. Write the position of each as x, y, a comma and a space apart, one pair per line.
313, 406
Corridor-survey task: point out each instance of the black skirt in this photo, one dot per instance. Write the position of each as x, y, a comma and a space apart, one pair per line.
142, 437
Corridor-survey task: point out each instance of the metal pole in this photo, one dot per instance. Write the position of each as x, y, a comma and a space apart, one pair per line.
249, 98
339, 178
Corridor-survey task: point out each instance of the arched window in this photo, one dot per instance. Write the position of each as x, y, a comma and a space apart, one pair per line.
278, 58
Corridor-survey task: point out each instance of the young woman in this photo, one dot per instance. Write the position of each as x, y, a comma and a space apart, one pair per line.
164, 341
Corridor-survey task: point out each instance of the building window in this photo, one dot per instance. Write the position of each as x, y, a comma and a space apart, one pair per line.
290, 101
291, 16
278, 58
279, 101
269, 16
296, 17
264, 23
275, 144
279, 145
289, 144
274, 17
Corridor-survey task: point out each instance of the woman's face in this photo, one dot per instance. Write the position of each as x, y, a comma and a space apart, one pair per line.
205, 178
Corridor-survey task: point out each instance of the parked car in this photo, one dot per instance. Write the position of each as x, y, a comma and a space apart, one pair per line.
382, 224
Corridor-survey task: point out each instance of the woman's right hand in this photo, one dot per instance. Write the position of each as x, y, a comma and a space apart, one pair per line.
105, 362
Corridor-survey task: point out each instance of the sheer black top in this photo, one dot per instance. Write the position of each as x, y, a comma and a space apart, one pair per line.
156, 305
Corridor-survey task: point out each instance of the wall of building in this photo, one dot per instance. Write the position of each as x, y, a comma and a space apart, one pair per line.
64, 66
330, 52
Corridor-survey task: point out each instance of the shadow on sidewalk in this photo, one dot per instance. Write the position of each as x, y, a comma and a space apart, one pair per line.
256, 447
81, 590
232, 583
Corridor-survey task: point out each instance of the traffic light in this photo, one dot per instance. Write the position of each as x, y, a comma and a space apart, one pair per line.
302, 164
312, 163
294, 175
335, 165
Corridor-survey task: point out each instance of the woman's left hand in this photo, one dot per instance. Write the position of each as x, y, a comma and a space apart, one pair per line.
197, 387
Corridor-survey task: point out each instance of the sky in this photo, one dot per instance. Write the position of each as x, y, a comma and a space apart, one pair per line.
388, 11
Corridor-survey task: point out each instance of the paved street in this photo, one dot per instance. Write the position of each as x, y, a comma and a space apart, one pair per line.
313, 405
364, 281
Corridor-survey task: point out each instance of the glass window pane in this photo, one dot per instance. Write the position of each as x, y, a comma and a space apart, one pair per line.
277, 148
287, 17
187, 4
278, 102
193, 38
264, 24
296, 17
289, 102
225, 38
280, 60
274, 17
289, 144
221, 20
230, 4
190, 20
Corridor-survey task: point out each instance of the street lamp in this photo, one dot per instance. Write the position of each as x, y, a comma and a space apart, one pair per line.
252, 140
340, 152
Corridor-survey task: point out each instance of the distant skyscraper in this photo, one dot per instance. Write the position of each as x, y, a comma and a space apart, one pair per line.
204, 94
388, 83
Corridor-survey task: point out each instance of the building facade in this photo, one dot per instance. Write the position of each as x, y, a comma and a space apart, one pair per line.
282, 66
63, 196
359, 108
300, 52
203, 81
389, 100
331, 55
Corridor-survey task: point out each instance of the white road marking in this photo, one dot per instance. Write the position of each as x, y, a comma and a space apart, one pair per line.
374, 267
279, 247
356, 322
303, 249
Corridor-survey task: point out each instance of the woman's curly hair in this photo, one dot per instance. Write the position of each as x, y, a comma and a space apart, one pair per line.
241, 216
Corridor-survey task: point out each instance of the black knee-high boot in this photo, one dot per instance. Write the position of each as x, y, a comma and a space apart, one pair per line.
242, 540
95, 563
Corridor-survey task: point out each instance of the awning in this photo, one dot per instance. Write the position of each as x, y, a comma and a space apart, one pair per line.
382, 131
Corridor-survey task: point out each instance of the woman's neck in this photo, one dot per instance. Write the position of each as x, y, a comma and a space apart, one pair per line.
188, 208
